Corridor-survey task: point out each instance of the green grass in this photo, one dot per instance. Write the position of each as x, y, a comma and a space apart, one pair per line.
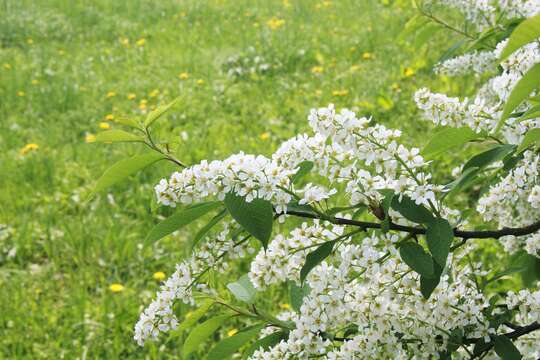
58, 61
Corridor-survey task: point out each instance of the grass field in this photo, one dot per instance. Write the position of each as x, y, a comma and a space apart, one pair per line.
69, 69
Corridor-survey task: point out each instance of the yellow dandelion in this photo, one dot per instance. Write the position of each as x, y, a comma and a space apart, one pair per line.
29, 41
366, 104
355, 68
408, 72
109, 117
104, 125
116, 288
142, 104
264, 136
275, 23
200, 82
317, 69
141, 42
367, 56
90, 138
21, 93
7, 66
131, 96
29, 147
341, 92
183, 75
159, 275
35, 82
232, 332
111, 94
124, 41
285, 306
154, 93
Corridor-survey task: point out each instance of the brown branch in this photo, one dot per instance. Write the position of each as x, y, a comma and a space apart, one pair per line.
518, 332
487, 234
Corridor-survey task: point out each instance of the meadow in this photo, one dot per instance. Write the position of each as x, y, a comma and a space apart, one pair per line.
75, 273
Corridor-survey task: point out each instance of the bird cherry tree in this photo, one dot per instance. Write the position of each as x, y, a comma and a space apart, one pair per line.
378, 257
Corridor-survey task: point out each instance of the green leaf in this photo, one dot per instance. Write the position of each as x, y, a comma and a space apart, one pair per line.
124, 168
532, 113
439, 236
128, 122
157, 113
526, 32
228, 346
531, 137
265, 343
487, 157
415, 256
180, 218
201, 333
465, 179
195, 316
425, 34
315, 257
297, 295
413, 24
256, 217
428, 285
243, 289
505, 348
206, 228
448, 139
303, 169
411, 211
111, 136
521, 91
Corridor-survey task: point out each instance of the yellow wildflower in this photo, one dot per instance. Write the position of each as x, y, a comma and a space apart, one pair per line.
367, 56
29, 41
264, 136
395, 87
355, 68
90, 138
111, 94
408, 71
200, 82
21, 93
131, 96
317, 69
142, 104
104, 125
232, 332
124, 41
183, 75
115, 288
29, 147
275, 23
318, 92
141, 42
109, 117
7, 66
286, 3
159, 275
285, 306
35, 81
342, 92
61, 52
154, 93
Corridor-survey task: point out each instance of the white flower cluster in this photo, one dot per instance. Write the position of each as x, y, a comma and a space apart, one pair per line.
484, 13
514, 202
159, 316
246, 175
248, 63
476, 62
484, 110
375, 293
527, 305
